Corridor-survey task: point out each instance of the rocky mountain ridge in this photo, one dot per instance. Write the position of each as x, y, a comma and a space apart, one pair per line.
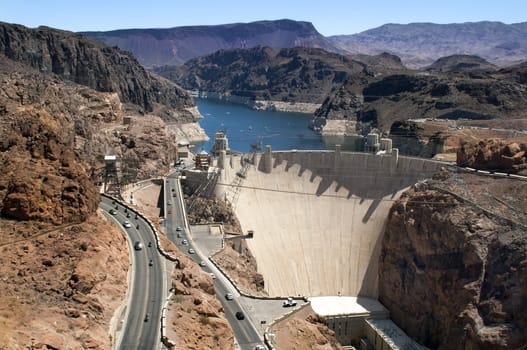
173, 46
452, 267
88, 62
297, 75
418, 44
64, 264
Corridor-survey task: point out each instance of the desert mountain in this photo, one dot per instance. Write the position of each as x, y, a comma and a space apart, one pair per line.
419, 44
263, 73
452, 267
88, 62
414, 95
62, 108
157, 47
461, 63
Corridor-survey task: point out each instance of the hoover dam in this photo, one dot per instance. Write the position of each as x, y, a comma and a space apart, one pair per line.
318, 216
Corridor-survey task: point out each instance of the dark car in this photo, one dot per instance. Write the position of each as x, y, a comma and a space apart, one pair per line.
240, 315
147, 317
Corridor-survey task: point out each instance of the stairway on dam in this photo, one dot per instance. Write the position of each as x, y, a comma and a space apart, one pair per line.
318, 216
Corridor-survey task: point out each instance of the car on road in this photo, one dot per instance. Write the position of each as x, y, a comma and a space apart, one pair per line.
213, 276
229, 296
289, 302
184, 242
178, 228
174, 194
178, 235
239, 315
191, 251
113, 211
151, 262
202, 263
127, 224
147, 317
138, 245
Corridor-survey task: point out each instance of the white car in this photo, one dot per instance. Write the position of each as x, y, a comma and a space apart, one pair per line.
289, 302
229, 296
191, 251
127, 224
202, 263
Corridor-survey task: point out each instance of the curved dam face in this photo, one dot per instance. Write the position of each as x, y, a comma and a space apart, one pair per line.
318, 216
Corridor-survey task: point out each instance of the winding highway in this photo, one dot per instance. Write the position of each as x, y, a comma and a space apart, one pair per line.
141, 328
177, 230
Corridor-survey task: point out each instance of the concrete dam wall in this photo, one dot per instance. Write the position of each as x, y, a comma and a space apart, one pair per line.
318, 216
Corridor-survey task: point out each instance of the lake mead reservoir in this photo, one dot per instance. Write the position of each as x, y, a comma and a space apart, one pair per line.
247, 128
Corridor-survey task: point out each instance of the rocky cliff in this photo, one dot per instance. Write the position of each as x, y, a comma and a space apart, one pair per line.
172, 46
494, 155
87, 62
419, 44
63, 264
453, 269
290, 75
463, 94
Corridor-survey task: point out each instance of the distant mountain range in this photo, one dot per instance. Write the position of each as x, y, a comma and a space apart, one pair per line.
417, 44
157, 47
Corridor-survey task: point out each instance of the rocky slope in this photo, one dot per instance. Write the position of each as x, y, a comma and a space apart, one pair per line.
484, 95
304, 329
63, 266
494, 155
263, 73
87, 62
461, 63
60, 259
172, 46
453, 269
419, 44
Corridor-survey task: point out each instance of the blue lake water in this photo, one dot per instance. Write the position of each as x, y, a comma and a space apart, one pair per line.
246, 127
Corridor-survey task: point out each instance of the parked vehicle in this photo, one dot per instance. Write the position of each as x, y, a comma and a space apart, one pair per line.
289, 302
138, 245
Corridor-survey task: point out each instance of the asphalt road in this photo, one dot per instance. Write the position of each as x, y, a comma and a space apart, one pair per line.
146, 289
244, 331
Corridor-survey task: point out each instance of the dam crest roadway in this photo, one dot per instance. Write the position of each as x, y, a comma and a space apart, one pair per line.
318, 216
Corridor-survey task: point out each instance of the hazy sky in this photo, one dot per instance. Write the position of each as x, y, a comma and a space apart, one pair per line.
330, 17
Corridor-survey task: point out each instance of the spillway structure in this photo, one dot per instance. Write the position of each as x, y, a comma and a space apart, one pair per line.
318, 217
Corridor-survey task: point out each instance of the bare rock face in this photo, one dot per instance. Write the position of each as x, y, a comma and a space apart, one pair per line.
495, 155
195, 318
304, 330
60, 285
87, 62
452, 270
42, 178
